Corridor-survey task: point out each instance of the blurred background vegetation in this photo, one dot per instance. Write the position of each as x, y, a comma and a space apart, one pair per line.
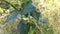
29, 16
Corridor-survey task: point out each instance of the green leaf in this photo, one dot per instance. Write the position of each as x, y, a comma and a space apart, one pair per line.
27, 7
35, 14
23, 27
11, 16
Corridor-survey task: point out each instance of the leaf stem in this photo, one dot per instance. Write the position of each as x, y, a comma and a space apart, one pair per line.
35, 22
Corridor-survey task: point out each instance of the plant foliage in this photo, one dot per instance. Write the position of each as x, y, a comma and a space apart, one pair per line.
30, 25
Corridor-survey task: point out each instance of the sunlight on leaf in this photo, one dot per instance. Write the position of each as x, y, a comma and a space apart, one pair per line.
1, 9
